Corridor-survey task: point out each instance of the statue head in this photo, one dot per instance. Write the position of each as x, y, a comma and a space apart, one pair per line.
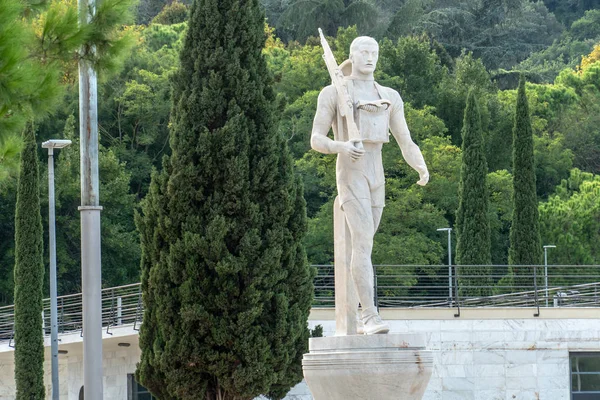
364, 53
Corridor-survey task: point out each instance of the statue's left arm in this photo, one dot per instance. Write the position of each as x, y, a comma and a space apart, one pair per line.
410, 151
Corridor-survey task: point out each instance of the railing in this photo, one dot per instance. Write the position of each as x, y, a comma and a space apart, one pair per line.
120, 306
418, 286
405, 286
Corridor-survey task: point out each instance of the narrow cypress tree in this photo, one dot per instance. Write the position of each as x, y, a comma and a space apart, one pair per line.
525, 245
226, 286
29, 277
473, 249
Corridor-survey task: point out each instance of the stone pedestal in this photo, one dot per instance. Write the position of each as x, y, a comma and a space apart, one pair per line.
360, 367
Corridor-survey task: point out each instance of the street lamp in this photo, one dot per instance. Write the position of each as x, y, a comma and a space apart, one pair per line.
51, 145
449, 230
546, 247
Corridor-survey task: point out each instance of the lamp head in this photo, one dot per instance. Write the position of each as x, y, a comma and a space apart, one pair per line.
549, 246
444, 229
56, 144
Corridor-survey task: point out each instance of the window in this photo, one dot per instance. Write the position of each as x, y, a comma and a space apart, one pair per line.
135, 391
585, 376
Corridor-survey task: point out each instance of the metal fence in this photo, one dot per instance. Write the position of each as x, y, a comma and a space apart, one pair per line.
412, 286
404, 286
120, 305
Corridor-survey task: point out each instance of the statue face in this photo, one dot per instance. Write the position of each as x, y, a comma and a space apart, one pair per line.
364, 58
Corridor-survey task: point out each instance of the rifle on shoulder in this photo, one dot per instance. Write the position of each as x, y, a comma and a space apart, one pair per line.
344, 101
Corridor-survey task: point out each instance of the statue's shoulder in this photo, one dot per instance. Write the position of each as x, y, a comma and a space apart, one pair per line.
327, 101
389, 93
328, 96
328, 92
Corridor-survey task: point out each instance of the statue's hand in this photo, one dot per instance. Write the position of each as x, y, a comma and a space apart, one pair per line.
424, 178
349, 149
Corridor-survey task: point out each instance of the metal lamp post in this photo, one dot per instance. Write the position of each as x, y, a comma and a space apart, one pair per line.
51, 145
546, 247
449, 230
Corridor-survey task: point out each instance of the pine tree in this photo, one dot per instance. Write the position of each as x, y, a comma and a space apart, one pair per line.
25, 89
525, 246
473, 249
40, 43
29, 276
226, 285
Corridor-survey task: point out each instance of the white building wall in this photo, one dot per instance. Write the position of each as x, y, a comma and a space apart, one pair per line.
117, 365
475, 358
508, 359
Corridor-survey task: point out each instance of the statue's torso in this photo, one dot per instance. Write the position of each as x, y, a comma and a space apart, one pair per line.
373, 127
364, 178
372, 121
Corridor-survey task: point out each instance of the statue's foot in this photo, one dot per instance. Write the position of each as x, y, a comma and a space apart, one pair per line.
360, 327
373, 323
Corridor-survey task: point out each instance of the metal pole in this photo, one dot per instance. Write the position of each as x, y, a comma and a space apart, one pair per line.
546, 273
450, 264
53, 291
92, 302
91, 276
456, 291
535, 288
119, 311
546, 247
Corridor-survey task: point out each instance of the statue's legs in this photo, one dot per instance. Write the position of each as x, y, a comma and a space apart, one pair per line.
362, 221
376, 211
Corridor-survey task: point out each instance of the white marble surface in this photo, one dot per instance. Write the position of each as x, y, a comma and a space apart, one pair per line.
500, 359
524, 358
368, 367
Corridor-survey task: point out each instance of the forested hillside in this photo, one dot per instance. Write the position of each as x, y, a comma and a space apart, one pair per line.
432, 51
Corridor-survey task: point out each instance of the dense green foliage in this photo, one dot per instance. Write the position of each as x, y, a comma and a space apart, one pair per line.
525, 245
39, 50
568, 11
10, 148
572, 213
226, 285
120, 238
302, 18
501, 33
424, 54
120, 244
472, 225
39, 45
173, 13
25, 88
29, 277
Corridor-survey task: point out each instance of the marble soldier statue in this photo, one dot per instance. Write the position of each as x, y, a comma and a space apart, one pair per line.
361, 114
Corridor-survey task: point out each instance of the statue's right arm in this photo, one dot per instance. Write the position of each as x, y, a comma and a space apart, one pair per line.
326, 112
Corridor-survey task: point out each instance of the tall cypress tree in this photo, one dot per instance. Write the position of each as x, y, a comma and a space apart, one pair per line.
226, 286
473, 249
525, 245
29, 277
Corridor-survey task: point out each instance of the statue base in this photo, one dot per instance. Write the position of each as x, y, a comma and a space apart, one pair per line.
374, 367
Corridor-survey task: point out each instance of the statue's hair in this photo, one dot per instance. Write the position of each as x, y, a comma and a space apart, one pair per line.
362, 40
